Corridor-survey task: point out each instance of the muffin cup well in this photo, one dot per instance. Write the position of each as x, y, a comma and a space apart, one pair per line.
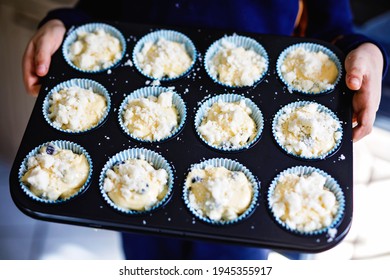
82, 83
330, 184
145, 92
311, 47
91, 27
295, 105
231, 165
155, 159
256, 115
239, 41
169, 35
65, 145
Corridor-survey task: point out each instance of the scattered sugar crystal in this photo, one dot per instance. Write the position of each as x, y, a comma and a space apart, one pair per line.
332, 234
128, 63
156, 83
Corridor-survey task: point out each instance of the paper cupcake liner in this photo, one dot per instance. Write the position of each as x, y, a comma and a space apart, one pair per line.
239, 41
82, 83
330, 184
65, 145
256, 115
90, 27
169, 35
155, 159
312, 47
231, 165
321, 108
154, 91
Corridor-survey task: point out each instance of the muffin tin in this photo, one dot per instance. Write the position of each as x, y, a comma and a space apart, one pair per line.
264, 159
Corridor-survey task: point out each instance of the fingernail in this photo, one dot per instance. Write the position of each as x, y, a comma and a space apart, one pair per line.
41, 69
354, 82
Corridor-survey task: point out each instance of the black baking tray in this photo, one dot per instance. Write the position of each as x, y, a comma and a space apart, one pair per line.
265, 159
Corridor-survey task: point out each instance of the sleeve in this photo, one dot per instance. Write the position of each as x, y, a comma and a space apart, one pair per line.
332, 21
69, 16
112, 10
85, 11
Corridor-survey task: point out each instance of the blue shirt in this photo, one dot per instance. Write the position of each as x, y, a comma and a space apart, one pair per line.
329, 20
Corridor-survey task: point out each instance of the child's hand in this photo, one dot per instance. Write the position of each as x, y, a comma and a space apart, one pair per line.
364, 66
37, 56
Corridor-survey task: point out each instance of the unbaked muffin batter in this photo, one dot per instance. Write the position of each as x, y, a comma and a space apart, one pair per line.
152, 118
163, 58
228, 124
218, 193
303, 203
307, 132
236, 66
309, 71
76, 109
135, 184
95, 50
56, 173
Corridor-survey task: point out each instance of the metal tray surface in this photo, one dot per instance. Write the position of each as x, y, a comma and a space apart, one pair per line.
265, 159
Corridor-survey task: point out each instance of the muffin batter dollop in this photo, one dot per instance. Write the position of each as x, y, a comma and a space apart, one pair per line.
76, 109
303, 203
219, 193
306, 131
151, 118
135, 184
95, 50
164, 58
55, 173
228, 124
309, 71
236, 66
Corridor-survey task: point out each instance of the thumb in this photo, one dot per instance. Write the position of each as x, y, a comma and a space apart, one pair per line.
354, 75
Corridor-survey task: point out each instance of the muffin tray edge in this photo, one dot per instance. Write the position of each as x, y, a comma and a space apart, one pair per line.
265, 159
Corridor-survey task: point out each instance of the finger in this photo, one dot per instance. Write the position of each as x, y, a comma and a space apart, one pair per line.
46, 46
355, 72
365, 123
35, 88
43, 52
30, 79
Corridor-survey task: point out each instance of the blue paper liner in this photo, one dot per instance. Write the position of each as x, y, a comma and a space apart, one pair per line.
91, 27
82, 83
312, 47
231, 165
256, 115
155, 159
65, 145
240, 41
321, 108
169, 35
331, 184
177, 101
